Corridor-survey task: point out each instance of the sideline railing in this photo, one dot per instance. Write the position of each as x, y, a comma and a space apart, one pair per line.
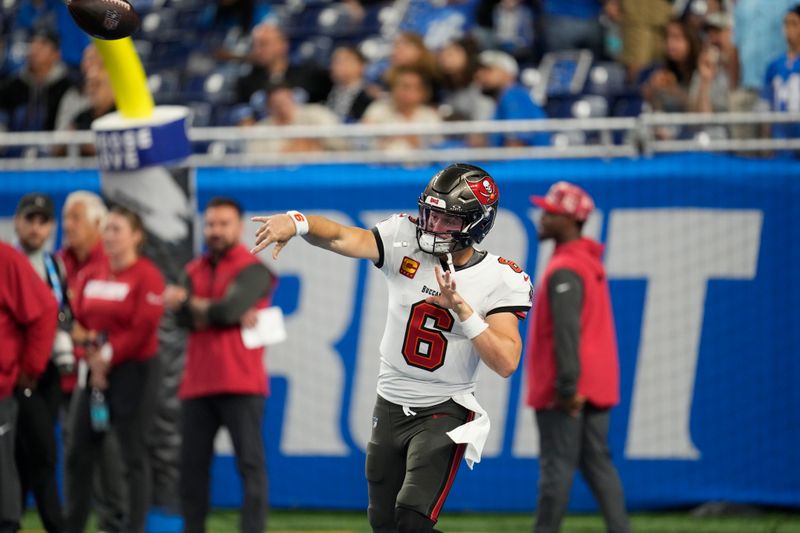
705, 128
570, 138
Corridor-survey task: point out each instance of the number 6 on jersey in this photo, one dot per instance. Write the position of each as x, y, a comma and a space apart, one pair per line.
423, 346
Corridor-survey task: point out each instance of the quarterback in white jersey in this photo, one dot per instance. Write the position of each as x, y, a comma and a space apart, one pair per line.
450, 306
426, 358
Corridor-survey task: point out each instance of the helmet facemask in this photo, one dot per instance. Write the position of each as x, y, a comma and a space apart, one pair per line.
441, 232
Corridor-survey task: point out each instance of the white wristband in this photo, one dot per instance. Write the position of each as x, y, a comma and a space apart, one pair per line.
106, 352
473, 326
300, 222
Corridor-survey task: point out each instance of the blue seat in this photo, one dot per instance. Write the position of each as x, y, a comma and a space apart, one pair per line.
303, 23
201, 114
560, 106
170, 55
144, 48
166, 86
193, 88
590, 106
232, 115
335, 20
187, 5
607, 79
627, 105
219, 87
316, 50
156, 22
565, 72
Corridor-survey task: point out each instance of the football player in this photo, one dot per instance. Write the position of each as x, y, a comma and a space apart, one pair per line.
450, 307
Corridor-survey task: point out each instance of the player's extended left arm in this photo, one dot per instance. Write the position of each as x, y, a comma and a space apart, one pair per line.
319, 231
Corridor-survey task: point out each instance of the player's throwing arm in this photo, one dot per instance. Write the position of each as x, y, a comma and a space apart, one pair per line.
317, 230
277, 229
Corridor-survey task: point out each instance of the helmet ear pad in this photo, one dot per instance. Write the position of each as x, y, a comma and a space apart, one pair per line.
465, 191
480, 228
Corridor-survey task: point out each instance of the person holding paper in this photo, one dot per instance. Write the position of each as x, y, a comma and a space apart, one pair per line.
224, 381
451, 307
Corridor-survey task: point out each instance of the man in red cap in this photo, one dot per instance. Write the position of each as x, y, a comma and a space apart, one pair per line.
572, 365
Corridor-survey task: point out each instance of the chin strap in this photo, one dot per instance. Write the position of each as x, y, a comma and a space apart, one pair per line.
450, 265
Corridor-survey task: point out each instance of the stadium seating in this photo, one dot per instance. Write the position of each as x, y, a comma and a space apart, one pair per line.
179, 40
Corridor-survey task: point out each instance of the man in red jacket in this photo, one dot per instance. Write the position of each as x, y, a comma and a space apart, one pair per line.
572, 365
224, 382
82, 219
28, 316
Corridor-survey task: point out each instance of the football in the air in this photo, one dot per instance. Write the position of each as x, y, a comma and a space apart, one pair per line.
104, 19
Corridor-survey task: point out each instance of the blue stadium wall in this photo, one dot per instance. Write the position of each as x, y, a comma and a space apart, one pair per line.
702, 253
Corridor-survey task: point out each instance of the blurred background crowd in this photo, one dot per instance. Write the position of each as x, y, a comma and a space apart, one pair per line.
326, 62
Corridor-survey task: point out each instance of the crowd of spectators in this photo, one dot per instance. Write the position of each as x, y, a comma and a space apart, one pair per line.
326, 63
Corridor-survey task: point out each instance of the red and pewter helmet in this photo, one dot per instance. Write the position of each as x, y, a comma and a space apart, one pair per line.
460, 191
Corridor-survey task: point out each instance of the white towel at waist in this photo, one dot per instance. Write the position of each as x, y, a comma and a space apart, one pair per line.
473, 433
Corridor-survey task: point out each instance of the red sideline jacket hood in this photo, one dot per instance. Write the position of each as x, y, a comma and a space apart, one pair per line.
217, 362
599, 378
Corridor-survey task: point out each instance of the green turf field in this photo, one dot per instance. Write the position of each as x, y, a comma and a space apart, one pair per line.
341, 522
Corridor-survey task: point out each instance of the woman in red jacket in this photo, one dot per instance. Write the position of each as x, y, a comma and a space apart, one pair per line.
120, 306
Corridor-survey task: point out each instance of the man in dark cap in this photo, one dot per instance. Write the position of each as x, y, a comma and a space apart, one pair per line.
38, 208
38, 401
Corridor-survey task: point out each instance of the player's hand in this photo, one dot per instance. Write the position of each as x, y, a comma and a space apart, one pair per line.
572, 406
26, 383
98, 368
249, 318
707, 64
276, 229
448, 295
98, 380
175, 296
81, 335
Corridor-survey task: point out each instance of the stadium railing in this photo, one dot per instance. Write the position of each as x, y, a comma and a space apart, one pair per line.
571, 138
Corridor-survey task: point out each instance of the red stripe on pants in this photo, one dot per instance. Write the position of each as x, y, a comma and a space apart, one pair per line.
451, 476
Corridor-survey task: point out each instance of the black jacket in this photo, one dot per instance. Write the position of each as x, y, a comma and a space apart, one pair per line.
32, 106
316, 82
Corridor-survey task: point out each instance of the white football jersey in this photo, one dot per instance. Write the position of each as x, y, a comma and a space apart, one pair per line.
425, 357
